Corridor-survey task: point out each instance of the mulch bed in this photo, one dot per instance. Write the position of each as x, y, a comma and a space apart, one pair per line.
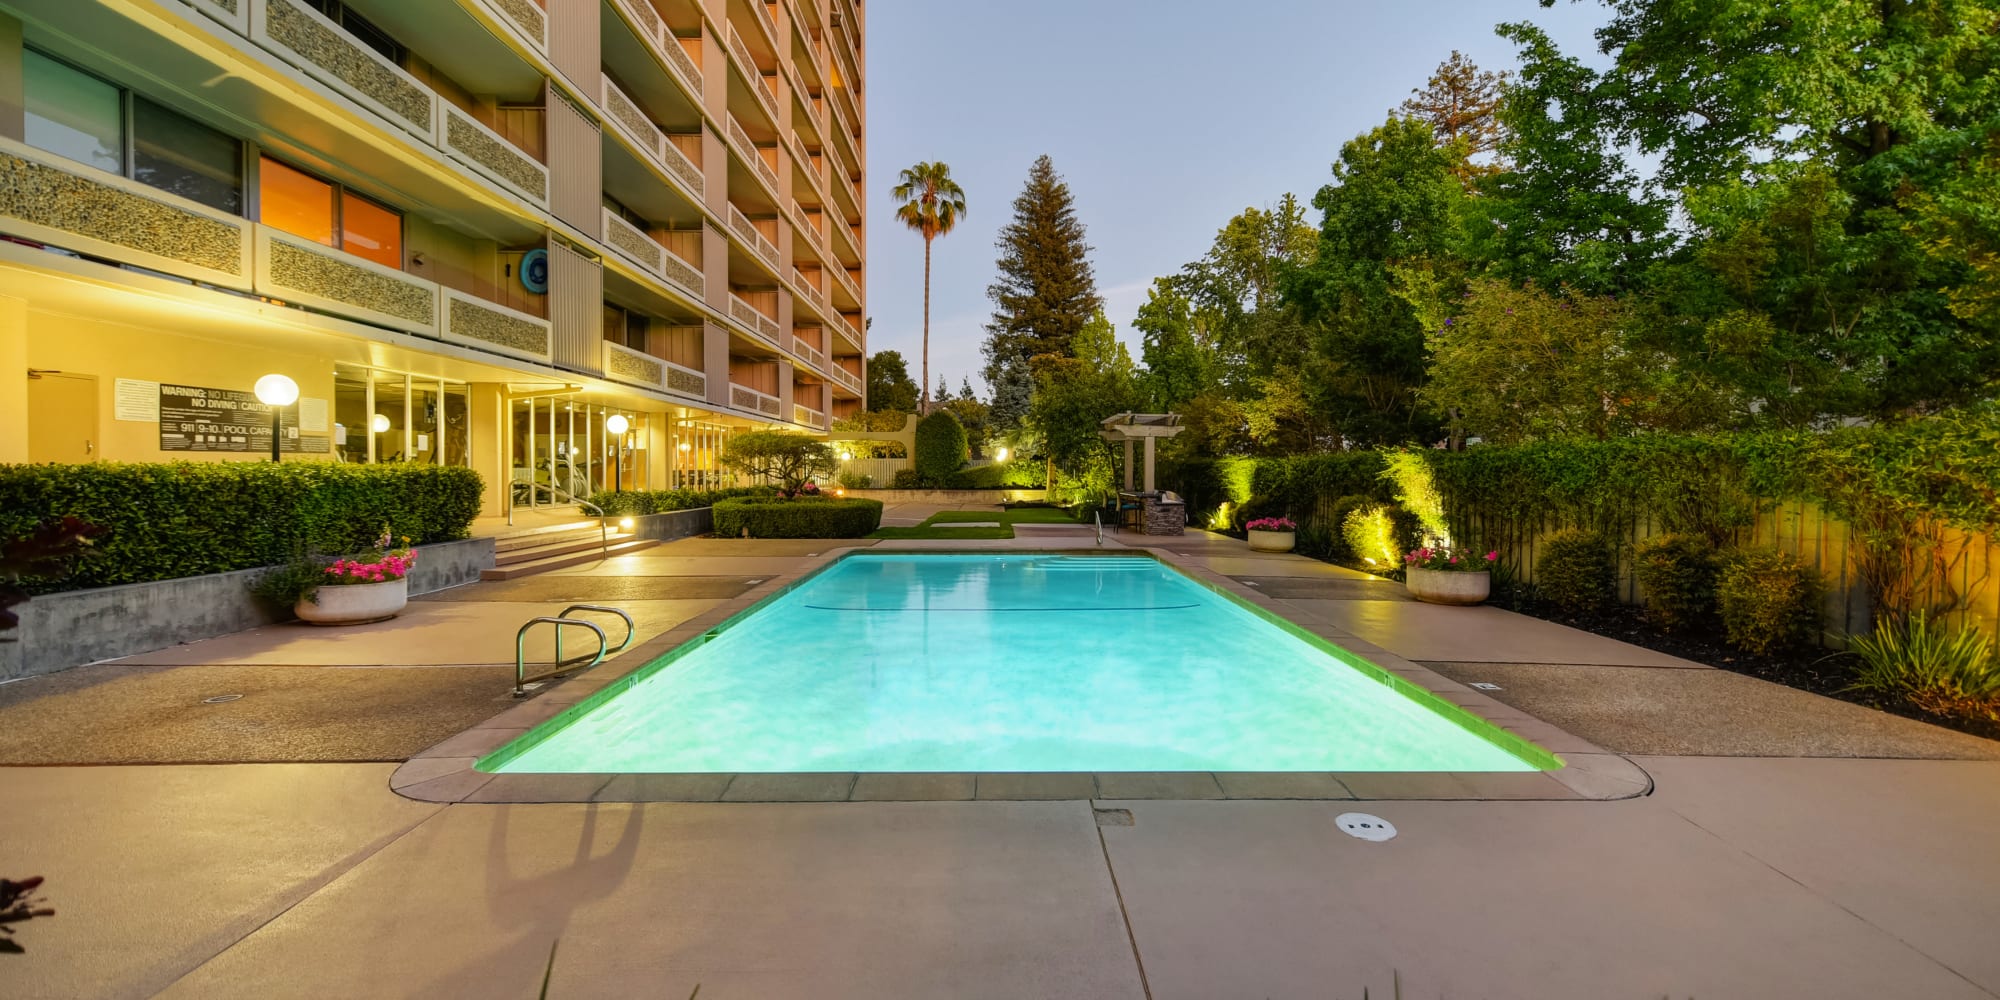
1820, 671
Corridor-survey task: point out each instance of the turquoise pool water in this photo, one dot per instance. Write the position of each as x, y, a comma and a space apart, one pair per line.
1008, 663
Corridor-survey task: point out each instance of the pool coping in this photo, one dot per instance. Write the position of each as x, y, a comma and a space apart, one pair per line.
446, 773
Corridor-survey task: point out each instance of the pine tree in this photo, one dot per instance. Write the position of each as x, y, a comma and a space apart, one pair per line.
1045, 292
1461, 104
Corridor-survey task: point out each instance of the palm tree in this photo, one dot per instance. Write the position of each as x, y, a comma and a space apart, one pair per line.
930, 203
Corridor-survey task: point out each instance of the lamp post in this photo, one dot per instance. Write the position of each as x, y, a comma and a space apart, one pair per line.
618, 425
277, 392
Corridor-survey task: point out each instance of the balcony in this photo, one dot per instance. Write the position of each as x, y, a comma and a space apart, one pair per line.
469, 141
740, 138
769, 25
745, 398
753, 75
840, 325
306, 39
802, 158
803, 225
810, 354
804, 289
647, 24
807, 416
639, 131
638, 368
523, 17
635, 246
747, 231
845, 283
748, 315
845, 379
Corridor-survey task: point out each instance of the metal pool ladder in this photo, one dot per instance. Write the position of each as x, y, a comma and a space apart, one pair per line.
562, 666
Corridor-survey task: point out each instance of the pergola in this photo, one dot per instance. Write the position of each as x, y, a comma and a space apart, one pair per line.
1147, 427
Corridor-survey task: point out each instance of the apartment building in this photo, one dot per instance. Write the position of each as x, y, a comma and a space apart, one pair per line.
471, 231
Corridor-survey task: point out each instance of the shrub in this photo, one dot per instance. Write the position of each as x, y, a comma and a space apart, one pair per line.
855, 481
908, 479
1678, 572
631, 502
941, 447
1769, 601
1338, 548
1931, 666
793, 460
1575, 572
778, 517
170, 520
1378, 534
993, 477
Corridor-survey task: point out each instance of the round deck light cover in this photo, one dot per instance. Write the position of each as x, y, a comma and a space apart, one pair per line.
1362, 826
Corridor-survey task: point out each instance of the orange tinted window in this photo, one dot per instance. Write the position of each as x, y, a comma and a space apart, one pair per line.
297, 203
371, 231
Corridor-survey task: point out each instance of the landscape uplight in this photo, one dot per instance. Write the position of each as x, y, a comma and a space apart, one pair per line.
277, 392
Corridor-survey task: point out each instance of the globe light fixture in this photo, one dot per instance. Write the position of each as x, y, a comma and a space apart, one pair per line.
618, 425
380, 423
277, 392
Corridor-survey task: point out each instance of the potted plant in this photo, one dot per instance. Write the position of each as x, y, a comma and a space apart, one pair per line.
1448, 576
1272, 534
370, 586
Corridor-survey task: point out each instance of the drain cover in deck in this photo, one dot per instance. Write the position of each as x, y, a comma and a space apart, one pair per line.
1362, 826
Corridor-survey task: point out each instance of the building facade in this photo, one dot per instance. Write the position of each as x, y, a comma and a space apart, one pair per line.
471, 231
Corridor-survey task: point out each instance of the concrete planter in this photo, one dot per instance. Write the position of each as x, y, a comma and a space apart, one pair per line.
1439, 587
354, 603
1273, 541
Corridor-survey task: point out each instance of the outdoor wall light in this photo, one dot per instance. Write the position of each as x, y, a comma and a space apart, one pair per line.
277, 392
380, 424
625, 524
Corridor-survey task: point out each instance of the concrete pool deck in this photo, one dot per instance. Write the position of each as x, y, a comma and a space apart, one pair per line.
1812, 874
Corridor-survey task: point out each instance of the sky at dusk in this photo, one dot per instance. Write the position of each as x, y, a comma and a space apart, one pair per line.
1166, 117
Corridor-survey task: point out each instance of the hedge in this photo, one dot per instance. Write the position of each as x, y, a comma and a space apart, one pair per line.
1289, 485
631, 502
166, 521
773, 517
942, 449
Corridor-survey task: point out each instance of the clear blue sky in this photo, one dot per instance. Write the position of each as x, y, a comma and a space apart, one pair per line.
1167, 117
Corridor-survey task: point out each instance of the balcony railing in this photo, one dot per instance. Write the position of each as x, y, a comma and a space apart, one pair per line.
808, 291
470, 142
804, 158
748, 315
749, 151
631, 122
60, 203
841, 325
807, 416
843, 377
804, 224
639, 368
646, 23
749, 233
305, 38
846, 283
526, 18
650, 255
770, 26
810, 354
755, 76
745, 398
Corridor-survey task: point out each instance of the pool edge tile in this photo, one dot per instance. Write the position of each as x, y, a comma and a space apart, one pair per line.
826, 786
1034, 786
657, 787
915, 787
1188, 785
1310, 785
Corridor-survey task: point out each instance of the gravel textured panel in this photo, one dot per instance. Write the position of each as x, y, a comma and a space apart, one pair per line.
599, 589
628, 238
302, 270
525, 14
491, 326
501, 158
62, 200
339, 54
153, 715
1709, 713
634, 367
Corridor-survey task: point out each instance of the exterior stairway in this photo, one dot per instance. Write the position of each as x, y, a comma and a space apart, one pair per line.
538, 550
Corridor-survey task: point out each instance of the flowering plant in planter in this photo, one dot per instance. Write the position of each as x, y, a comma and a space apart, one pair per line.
1449, 560
300, 580
1271, 524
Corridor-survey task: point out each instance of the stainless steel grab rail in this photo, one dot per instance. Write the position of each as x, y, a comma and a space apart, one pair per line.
557, 492
521, 678
631, 630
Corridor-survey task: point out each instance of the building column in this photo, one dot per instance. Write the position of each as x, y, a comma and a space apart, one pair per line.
1128, 465
489, 450
1149, 463
13, 381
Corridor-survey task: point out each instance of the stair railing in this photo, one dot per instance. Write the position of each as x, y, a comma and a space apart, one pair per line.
564, 496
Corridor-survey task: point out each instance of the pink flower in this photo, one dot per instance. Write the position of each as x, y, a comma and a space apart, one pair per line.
1492, 557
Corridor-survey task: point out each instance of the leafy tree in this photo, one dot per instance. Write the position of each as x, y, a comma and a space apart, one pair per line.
1012, 394
889, 386
1177, 366
1392, 227
1236, 291
1046, 291
1073, 395
972, 414
1461, 105
931, 203
791, 460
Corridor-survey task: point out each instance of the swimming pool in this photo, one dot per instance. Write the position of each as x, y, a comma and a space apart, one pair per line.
1037, 663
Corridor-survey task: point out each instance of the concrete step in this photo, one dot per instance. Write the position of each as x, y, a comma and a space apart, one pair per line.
562, 545
544, 536
591, 554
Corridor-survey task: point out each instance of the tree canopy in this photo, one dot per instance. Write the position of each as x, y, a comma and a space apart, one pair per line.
1045, 291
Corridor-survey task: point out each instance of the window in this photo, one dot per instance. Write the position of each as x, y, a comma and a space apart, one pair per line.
324, 212
185, 157
73, 114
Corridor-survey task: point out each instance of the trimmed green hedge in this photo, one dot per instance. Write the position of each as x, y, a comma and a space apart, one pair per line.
773, 517
630, 502
1289, 485
942, 448
165, 521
